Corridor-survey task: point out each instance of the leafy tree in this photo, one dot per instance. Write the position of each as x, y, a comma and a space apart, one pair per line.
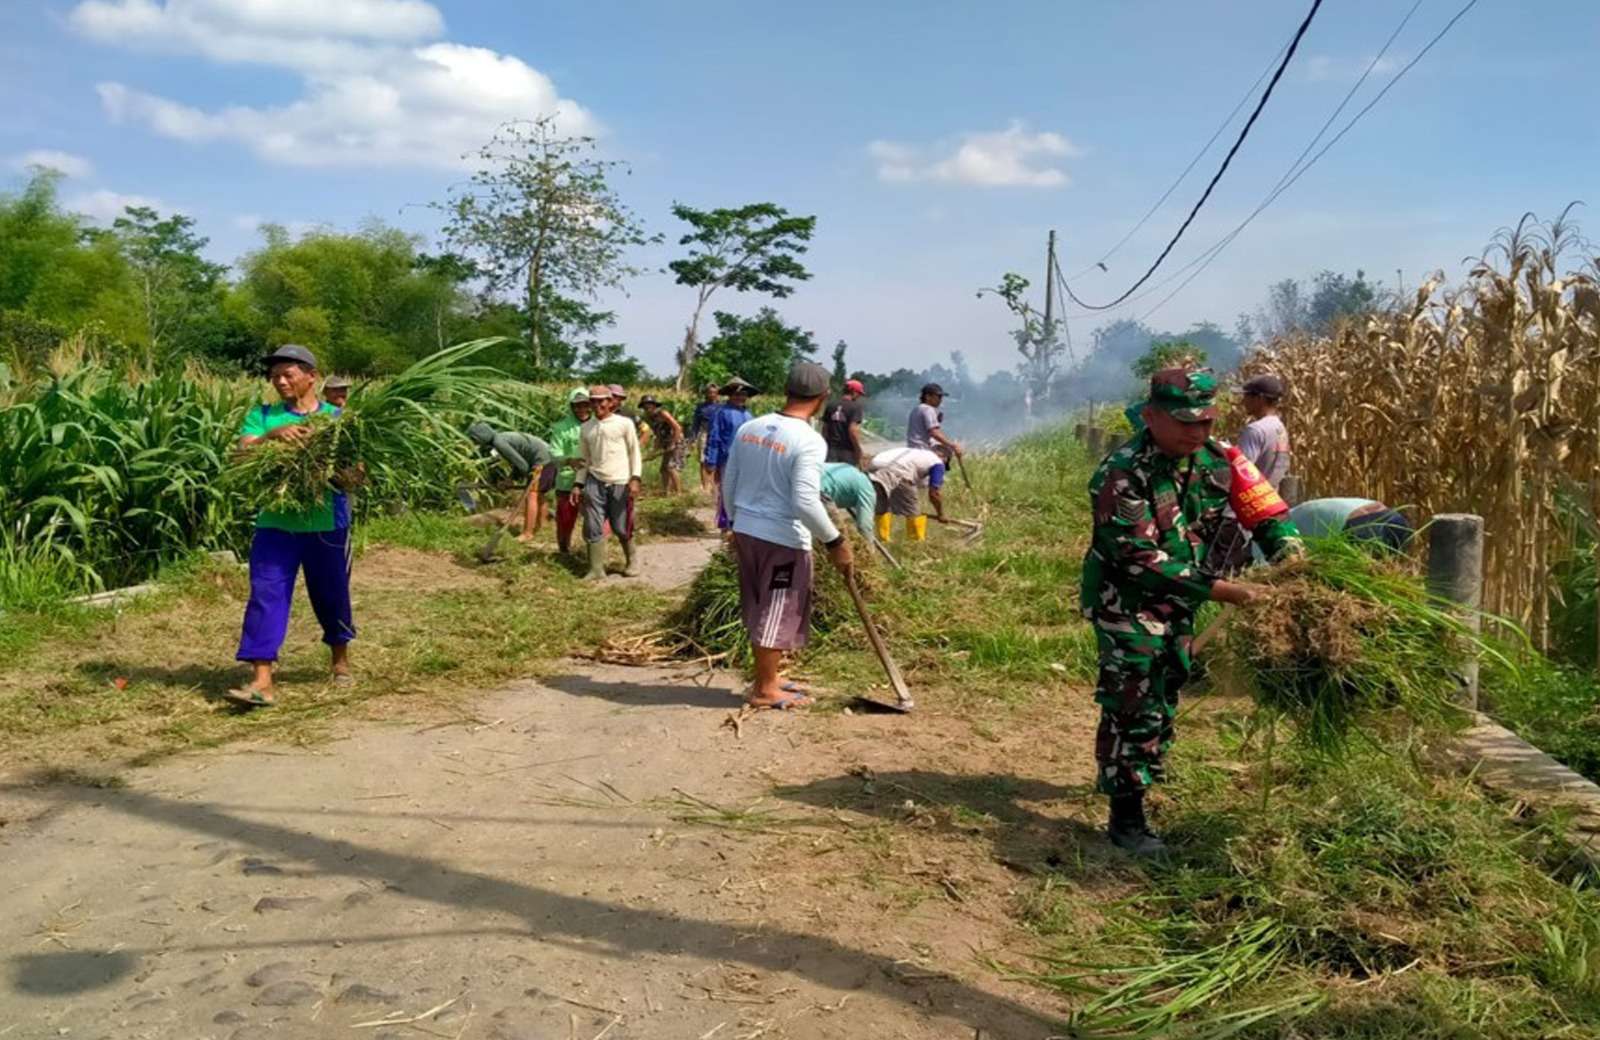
1285, 311
360, 299
1168, 354
1038, 341
840, 372
56, 270
1335, 296
760, 349
172, 281
610, 363
1289, 308
540, 215
751, 248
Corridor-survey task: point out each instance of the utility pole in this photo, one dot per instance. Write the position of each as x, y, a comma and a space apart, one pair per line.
1050, 283
1048, 343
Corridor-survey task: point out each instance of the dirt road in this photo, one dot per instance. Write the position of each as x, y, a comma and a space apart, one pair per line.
579, 859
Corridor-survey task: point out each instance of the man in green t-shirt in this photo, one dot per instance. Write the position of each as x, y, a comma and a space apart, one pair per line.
317, 540
566, 445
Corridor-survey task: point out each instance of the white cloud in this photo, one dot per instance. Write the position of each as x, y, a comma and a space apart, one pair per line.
1324, 68
378, 86
104, 206
1009, 158
64, 163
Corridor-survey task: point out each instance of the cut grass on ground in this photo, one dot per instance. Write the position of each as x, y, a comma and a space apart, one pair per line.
142, 681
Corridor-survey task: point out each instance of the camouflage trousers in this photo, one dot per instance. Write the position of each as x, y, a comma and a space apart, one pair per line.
1140, 676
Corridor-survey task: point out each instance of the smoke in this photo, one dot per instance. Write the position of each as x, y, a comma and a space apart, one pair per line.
993, 411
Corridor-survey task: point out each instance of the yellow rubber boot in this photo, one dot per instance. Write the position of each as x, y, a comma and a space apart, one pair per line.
917, 528
885, 527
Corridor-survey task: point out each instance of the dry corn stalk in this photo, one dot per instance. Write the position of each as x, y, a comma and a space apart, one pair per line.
1483, 398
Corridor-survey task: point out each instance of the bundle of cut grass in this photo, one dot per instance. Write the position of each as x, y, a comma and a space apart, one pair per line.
1342, 640
399, 433
708, 622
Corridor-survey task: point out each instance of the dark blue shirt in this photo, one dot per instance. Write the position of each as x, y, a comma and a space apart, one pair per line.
719, 442
704, 412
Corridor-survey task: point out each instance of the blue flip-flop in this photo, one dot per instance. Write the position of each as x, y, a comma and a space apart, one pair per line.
786, 703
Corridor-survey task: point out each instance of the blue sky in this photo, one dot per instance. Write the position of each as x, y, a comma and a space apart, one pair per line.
935, 142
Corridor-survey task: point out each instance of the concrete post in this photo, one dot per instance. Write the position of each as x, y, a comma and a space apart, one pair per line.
1289, 489
1113, 442
1095, 441
1455, 573
1079, 430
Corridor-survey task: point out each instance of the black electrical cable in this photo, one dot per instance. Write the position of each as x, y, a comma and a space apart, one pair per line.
1205, 259
1226, 122
1206, 254
1294, 45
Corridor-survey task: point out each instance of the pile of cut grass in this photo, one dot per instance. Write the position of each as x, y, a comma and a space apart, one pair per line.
1343, 642
708, 623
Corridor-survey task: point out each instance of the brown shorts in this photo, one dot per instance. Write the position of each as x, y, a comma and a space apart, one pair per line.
906, 500
774, 592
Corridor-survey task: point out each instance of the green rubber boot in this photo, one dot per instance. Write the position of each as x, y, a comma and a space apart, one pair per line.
597, 561
630, 568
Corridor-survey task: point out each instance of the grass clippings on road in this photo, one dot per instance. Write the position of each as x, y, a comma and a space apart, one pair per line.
433, 625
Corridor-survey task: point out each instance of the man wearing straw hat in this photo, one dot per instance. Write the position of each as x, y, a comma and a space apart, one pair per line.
1157, 501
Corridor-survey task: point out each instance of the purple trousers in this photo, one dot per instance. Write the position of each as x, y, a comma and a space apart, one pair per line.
275, 558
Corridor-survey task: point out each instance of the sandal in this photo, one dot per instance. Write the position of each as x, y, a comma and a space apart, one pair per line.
248, 696
343, 679
789, 702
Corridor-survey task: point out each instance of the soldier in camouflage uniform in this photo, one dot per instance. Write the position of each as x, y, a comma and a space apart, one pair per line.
1157, 501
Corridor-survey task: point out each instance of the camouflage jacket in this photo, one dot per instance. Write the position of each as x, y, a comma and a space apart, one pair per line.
1154, 519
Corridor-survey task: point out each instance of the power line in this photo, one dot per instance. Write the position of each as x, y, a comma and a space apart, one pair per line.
1204, 259
1294, 45
1288, 173
1228, 121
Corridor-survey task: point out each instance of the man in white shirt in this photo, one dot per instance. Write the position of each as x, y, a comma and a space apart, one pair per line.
607, 479
772, 493
901, 473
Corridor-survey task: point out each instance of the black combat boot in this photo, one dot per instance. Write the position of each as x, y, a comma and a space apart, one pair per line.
1129, 831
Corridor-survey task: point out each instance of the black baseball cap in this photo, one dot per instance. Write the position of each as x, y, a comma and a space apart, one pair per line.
932, 388
290, 352
1268, 386
647, 399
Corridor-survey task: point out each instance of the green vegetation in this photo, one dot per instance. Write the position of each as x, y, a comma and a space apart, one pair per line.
144, 680
753, 248
402, 434
108, 474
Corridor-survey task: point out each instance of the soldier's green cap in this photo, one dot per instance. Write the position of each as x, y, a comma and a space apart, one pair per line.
578, 395
1188, 395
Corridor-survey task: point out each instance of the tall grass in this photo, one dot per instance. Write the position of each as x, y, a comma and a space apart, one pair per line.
107, 471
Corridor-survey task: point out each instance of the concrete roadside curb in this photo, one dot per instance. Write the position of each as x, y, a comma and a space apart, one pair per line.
1509, 765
